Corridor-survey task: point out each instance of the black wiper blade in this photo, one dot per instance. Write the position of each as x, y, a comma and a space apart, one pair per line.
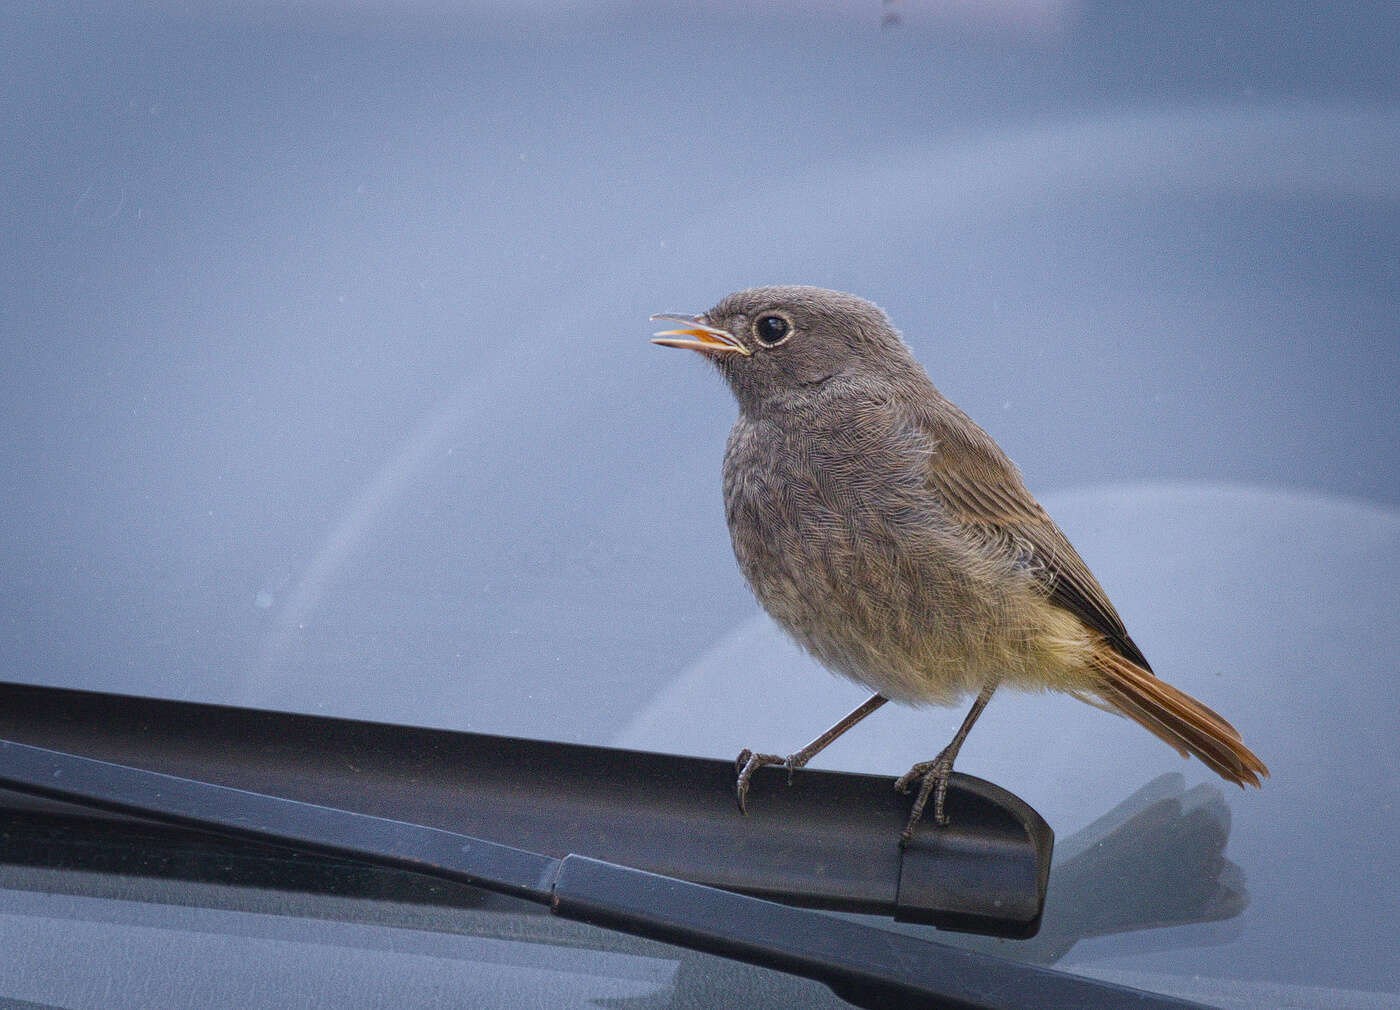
828, 842
867, 966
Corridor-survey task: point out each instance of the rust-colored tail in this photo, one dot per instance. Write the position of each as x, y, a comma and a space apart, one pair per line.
1180, 720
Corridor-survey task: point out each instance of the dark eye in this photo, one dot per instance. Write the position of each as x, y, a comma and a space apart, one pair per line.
771, 329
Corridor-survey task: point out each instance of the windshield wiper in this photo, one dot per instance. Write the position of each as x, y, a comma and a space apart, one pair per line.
864, 965
829, 841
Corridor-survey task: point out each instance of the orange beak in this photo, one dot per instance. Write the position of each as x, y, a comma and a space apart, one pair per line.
703, 337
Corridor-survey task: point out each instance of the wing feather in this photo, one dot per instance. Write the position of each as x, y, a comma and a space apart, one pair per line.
982, 488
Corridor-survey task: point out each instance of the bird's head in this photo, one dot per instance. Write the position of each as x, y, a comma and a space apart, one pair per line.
785, 342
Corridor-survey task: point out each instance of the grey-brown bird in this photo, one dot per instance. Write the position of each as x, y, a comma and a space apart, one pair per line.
896, 542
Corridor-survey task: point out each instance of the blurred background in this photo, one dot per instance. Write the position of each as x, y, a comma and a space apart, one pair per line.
326, 386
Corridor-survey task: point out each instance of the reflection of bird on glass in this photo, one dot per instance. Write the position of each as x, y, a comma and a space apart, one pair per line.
895, 541
1164, 833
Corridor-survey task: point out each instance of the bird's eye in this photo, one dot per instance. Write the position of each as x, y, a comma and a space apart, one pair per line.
771, 330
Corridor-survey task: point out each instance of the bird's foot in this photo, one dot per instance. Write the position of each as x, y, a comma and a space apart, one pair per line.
748, 762
932, 777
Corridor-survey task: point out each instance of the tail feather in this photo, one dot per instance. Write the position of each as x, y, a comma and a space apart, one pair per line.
1176, 718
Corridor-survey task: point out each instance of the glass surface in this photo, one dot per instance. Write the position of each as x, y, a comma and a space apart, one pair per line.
326, 388
80, 940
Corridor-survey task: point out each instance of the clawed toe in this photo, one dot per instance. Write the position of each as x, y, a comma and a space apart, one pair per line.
742, 760
932, 777
913, 775
748, 763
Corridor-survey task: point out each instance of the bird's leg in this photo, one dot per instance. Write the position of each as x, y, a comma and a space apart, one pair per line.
748, 762
934, 774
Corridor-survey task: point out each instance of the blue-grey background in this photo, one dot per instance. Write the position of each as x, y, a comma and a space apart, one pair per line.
324, 382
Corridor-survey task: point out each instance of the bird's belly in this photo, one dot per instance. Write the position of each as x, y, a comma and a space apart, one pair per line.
918, 631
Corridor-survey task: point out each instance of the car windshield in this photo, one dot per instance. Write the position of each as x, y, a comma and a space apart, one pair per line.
327, 389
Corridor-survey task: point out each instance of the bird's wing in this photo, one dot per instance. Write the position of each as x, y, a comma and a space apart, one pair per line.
981, 488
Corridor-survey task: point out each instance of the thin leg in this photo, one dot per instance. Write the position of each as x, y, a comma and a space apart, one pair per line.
934, 774
748, 762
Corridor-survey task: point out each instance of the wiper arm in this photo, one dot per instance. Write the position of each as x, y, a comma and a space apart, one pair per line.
866, 966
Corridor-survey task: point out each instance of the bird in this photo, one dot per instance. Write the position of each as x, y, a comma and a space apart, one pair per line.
896, 542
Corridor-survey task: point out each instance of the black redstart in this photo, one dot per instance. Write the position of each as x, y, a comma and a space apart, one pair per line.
894, 540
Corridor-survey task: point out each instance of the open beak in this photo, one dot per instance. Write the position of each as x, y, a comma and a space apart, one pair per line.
703, 337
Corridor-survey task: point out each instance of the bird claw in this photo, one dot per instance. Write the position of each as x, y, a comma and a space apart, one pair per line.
742, 760
747, 763
932, 777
